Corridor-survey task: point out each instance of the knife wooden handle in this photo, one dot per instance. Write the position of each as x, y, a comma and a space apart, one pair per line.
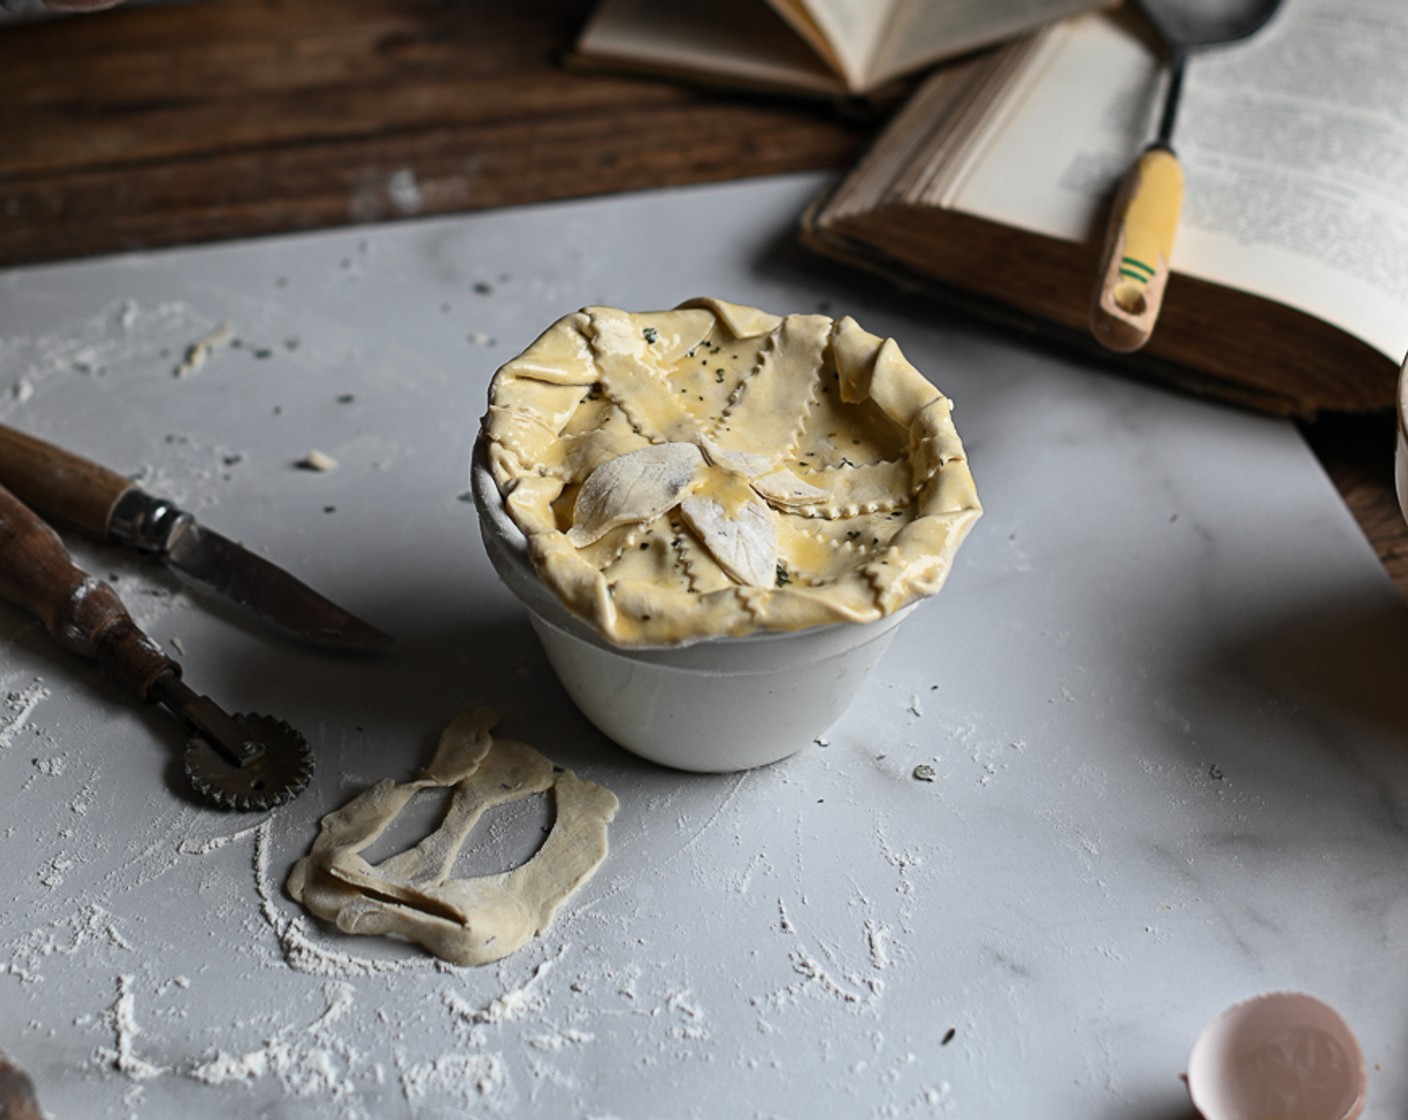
58, 483
83, 613
1135, 267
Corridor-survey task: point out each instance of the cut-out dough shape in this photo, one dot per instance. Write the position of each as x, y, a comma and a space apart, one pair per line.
633, 489
464, 921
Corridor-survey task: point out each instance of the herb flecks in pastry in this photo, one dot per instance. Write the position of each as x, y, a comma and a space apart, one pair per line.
717, 469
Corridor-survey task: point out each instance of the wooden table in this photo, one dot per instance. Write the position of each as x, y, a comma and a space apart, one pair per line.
150, 126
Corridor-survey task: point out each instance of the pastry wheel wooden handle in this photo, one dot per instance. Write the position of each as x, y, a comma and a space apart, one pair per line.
84, 614
247, 762
1135, 265
59, 483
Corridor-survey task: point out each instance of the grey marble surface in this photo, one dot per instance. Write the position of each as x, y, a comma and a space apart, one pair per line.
1163, 694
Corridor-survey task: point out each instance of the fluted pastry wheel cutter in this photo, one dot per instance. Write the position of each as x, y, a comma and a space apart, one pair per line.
243, 762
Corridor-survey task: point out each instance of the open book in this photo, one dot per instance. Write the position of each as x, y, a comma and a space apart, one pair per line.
833, 48
1290, 269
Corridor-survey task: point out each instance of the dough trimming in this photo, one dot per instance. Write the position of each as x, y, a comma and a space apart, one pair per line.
464, 921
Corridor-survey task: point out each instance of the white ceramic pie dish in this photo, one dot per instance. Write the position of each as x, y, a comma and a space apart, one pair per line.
716, 705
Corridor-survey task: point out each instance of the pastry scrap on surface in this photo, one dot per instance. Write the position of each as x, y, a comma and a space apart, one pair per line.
717, 469
464, 921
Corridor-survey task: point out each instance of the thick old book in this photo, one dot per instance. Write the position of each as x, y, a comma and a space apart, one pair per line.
827, 48
1289, 293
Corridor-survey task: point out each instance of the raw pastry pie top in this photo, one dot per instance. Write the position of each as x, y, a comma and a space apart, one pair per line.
716, 470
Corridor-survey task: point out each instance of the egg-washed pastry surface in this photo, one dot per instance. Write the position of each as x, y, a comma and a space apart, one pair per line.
716, 470
412, 894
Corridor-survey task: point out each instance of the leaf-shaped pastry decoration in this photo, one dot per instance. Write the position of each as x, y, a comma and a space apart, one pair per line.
632, 489
747, 463
783, 488
743, 540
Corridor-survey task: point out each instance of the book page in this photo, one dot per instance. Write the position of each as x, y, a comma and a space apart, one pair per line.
741, 40
919, 32
846, 32
1293, 144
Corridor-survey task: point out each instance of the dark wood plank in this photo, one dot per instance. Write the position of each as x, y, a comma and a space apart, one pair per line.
148, 126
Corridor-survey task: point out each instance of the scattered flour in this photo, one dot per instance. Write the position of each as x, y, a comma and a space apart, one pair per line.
19, 706
192, 847
307, 1062
122, 1018
559, 1040
878, 938
91, 347
851, 988
513, 1003
83, 929
902, 861
454, 1075
225, 1068
83, 800
742, 881
690, 1017
56, 870
300, 951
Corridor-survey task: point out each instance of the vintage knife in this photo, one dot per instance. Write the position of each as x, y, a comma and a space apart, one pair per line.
66, 487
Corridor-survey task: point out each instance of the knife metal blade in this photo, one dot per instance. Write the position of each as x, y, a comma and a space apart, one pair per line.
59, 484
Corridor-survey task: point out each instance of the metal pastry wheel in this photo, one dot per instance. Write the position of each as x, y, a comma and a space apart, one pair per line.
245, 762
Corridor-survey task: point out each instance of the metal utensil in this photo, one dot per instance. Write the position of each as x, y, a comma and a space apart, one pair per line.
1139, 245
104, 504
245, 762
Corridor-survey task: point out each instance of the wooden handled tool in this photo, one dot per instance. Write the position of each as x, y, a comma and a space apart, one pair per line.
64, 486
83, 614
1129, 291
1138, 249
68, 488
240, 762
17, 1099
